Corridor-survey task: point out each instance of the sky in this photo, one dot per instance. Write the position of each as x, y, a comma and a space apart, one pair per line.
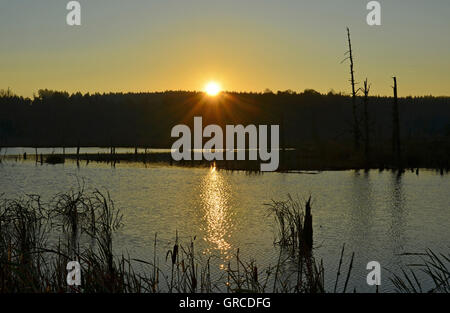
245, 45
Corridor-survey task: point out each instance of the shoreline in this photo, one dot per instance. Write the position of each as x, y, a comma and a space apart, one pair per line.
292, 165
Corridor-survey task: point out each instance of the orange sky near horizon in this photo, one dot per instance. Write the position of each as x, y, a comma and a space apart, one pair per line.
141, 46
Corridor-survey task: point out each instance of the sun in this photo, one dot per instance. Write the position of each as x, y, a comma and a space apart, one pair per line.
212, 89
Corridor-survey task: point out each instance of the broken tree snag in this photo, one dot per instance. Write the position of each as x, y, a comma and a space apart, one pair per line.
396, 128
366, 123
283, 142
356, 134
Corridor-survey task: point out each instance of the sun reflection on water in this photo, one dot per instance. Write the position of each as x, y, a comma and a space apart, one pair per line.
217, 216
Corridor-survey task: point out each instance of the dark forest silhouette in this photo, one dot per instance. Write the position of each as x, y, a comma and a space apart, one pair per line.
318, 126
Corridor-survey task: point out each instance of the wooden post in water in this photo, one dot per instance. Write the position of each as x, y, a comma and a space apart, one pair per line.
63, 147
113, 159
78, 151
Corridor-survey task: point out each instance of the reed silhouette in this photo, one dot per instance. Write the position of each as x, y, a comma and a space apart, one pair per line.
32, 261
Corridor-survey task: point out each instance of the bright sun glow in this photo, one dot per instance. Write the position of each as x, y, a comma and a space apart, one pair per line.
212, 88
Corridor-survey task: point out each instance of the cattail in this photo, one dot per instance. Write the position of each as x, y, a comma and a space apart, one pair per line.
308, 228
174, 253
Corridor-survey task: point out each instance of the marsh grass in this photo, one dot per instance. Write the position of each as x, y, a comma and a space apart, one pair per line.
21, 233
297, 269
38, 239
30, 263
434, 267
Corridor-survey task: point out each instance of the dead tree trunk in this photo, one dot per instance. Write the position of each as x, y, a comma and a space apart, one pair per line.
396, 128
356, 134
366, 123
283, 143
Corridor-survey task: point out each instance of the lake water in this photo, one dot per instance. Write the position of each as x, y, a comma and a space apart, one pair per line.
378, 215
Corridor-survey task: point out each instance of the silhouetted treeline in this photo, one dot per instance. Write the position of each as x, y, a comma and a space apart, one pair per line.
309, 120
